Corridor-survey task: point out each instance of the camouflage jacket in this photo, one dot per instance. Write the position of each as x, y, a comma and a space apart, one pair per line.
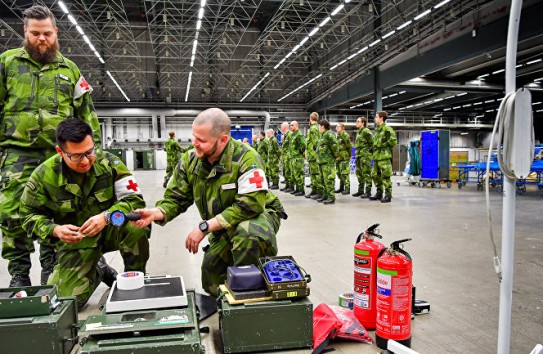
297, 145
384, 140
274, 152
234, 189
363, 143
173, 148
312, 141
262, 149
327, 148
344, 147
285, 148
52, 197
35, 98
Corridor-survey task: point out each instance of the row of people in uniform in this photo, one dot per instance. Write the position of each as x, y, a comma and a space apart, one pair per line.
328, 155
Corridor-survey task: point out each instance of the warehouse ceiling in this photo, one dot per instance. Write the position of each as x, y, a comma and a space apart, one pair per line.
431, 59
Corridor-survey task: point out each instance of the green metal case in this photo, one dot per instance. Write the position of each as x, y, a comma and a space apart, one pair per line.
55, 333
266, 325
145, 338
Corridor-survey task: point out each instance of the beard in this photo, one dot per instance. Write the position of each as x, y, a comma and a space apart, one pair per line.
48, 56
202, 155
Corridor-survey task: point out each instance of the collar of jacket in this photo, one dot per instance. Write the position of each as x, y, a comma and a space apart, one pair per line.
59, 60
223, 164
93, 173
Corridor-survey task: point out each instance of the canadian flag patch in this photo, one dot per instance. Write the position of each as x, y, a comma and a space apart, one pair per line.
252, 181
81, 87
126, 186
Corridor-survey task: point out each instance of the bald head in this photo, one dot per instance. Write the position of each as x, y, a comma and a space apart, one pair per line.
294, 126
284, 127
217, 118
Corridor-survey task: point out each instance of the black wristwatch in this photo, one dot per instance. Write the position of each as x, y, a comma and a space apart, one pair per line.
203, 226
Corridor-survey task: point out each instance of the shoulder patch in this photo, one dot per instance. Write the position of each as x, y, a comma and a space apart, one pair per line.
81, 87
252, 181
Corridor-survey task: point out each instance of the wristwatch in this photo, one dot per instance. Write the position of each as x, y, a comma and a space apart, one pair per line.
203, 226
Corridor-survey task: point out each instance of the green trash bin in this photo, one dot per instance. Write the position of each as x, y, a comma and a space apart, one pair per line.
149, 160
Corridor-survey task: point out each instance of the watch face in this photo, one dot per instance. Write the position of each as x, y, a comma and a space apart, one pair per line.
203, 226
117, 218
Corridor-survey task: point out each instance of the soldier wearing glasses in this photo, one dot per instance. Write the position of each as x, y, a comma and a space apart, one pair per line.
68, 199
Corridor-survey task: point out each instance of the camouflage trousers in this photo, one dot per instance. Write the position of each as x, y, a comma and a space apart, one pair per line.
286, 172
16, 166
315, 177
273, 174
297, 172
343, 172
76, 273
328, 180
171, 163
249, 241
363, 174
382, 170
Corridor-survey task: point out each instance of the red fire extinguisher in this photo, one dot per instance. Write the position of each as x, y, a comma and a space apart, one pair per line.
394, 282
366, 252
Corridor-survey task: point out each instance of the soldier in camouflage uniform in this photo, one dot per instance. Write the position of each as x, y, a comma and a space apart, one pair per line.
274, 154
225, 179
311, 156
262, 150
68, 200
364, 149
173, 152
344, 151
384, 140
285, 157
297, 153
326, 156
39, 88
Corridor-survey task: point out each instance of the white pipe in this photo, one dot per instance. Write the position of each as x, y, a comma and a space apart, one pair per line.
508, 215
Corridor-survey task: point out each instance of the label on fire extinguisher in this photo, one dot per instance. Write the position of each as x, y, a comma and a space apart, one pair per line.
362, 281
393, 306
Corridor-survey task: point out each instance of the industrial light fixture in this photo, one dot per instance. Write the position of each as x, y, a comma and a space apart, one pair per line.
299, 88
195, 44
255, 86
116, 84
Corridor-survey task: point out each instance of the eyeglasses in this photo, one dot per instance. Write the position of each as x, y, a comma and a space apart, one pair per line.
78, 157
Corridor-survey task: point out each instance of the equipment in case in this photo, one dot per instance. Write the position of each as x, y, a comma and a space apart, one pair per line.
51, 333
283, 273
266, 325
242, 278
169, 331
28, 301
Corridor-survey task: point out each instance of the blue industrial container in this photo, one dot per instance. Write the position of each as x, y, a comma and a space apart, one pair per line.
435, 155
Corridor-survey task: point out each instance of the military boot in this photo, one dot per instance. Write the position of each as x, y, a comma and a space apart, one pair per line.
109, 275
386, 199
376, 197
45, 273
365, 195
340, 189
19, 281
357, 194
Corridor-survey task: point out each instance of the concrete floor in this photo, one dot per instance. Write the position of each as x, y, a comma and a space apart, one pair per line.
452, 254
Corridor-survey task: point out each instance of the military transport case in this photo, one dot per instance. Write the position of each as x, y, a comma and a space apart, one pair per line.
55, 333
266, 325
181, 340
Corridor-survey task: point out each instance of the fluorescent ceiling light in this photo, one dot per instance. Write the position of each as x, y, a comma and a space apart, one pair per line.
201, 13
79, 29
421, 15
337, 9
389, 34
116, 84
352, 56
404, 25
461, 94
374, 42
203, 3
498, 71
342, 62
198, 25
366, 48
534, 61
63, 7
86, 39
482, 76
295, 48
313, 31
188, 86
333, 67
441, 4
72, 20
304, 40
325, 21
464, 133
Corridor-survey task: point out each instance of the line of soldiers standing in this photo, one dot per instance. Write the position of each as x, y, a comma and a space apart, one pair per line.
328, 155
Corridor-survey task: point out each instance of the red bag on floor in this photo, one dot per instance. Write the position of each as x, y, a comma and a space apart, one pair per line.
331, 321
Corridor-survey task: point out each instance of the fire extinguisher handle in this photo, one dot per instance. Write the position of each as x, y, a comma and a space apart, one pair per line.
396, 247
370, 231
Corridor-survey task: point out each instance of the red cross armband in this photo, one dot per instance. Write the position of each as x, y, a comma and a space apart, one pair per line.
126, 186
252, 181
81, 87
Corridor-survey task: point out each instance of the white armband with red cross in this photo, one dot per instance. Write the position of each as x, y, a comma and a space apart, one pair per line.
252, 181
81, 87
126, 186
